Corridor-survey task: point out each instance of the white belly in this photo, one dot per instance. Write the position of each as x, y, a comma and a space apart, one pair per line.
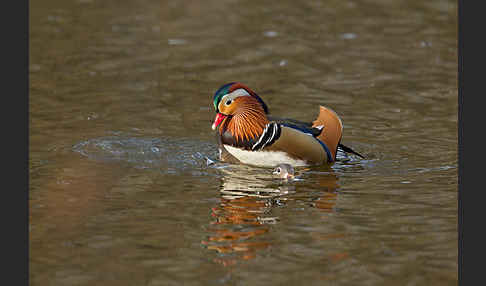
263, 158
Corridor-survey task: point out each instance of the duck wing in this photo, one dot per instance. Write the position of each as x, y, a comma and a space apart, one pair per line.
307, 127
303, 126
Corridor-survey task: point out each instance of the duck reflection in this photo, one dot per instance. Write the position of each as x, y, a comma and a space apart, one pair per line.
327, 200
249, 198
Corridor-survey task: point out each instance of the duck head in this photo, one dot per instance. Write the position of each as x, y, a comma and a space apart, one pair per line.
239, 110
284, 171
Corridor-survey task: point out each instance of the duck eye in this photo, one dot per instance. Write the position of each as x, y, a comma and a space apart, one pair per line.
228, 102
278, 170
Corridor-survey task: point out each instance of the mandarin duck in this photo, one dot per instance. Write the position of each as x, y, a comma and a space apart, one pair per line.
248, 134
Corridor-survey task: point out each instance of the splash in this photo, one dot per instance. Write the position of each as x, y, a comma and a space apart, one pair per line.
169, 155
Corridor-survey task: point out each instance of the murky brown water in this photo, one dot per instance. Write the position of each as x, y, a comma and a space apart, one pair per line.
120, 125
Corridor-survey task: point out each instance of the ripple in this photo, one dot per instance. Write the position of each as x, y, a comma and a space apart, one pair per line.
348, 36
167, 154
174, 42
270, 34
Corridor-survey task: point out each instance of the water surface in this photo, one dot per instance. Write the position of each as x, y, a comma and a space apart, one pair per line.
120, 115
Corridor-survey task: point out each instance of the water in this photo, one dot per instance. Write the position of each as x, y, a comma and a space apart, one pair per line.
120, 132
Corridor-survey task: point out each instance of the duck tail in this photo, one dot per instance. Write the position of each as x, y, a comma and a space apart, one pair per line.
349, 150
332, 129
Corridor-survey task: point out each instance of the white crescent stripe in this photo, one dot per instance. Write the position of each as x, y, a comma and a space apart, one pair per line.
261, 137
273, 134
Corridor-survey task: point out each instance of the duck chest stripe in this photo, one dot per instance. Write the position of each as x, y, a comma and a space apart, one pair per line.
271, 133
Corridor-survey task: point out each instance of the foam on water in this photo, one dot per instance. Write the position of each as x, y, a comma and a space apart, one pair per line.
167, 154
